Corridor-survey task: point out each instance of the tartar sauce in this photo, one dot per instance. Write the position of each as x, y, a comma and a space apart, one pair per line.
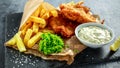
95, 34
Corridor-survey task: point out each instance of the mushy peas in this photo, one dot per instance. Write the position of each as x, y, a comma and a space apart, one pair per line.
94, 34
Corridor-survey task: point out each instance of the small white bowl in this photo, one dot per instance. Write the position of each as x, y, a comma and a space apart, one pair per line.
89, 44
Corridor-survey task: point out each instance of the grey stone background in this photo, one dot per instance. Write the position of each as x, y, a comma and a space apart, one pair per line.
107, 9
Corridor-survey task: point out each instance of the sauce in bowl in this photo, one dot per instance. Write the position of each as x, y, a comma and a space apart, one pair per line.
95, 34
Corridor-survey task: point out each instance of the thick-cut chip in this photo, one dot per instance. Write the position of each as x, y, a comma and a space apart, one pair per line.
35, 27
26, 27
27, 36
45, 16
20, 44
37, 12
37, 20
54, 13
34, 39
41, 21
46, 7
43, 11
40, 8
11, 42
47, 30
42, 25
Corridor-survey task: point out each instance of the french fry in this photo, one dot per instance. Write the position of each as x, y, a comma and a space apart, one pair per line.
43, 11
46, 15
27, 36
20, 44
47, 30
34, 39
35, 27
11, 42
54, 13
36, 13
37, 20
40, 8
41, 21
46, 7
26, 27
23, 26
42, 25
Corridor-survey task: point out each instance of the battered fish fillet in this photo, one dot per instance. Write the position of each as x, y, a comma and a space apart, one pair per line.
62, 26
77, 12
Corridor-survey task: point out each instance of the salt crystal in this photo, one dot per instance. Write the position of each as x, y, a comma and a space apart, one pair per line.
22, 64
18, 66
92, 58
13, 67
86, 55
16, 61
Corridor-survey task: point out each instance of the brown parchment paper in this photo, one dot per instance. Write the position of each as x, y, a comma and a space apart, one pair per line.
29, 8
67, 55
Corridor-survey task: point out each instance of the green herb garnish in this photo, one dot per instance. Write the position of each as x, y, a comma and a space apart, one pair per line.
76, 50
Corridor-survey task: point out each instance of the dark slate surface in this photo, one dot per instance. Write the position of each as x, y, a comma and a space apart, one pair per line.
107, 9
15, 59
